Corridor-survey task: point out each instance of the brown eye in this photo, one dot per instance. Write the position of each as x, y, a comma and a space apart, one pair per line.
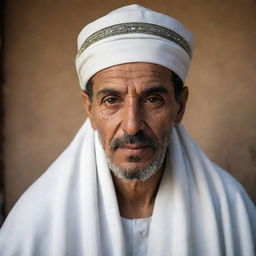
154, 100
111, 100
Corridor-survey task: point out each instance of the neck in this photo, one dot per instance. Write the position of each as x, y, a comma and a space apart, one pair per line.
136, 198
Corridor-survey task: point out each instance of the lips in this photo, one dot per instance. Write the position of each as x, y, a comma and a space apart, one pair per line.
133, 146
134, 149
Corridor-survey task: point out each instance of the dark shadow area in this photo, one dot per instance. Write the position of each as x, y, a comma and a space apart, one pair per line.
1, 112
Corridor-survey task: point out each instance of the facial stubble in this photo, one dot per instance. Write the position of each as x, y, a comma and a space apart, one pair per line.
139, 173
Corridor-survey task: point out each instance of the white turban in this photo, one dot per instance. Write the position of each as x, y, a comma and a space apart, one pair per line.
133, 34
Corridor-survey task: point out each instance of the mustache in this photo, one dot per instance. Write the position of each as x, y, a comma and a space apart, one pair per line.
139, 138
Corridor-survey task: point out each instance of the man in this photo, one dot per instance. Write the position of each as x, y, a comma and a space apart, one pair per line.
132, 182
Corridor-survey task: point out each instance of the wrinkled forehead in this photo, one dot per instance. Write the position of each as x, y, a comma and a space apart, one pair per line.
132, 77
134, 70
130, 73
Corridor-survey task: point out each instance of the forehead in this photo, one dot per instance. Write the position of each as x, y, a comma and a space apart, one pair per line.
132, 74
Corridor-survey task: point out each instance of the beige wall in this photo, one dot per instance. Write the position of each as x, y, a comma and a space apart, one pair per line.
42, 101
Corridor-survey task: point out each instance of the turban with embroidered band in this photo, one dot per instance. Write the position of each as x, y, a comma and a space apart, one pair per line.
133, 34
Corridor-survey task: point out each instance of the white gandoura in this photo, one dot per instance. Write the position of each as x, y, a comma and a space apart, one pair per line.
72, 209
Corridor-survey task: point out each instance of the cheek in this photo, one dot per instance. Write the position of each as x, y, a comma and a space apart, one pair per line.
161, 123
162, 118
106, 126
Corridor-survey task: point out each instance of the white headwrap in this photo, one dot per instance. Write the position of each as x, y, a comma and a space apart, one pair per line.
133, 34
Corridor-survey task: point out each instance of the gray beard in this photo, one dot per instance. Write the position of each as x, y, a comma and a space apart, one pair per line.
141, 173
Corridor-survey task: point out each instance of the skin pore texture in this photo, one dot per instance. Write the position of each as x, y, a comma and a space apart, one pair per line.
134, 110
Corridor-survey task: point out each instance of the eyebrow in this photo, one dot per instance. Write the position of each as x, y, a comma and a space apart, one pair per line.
156, 89
107, 91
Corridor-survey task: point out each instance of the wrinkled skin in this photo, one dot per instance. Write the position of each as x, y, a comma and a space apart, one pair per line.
130, 99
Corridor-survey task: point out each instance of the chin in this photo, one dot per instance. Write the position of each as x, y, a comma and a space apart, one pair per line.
136, 171
136, 166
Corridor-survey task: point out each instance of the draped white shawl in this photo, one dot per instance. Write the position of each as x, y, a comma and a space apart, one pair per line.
72, 209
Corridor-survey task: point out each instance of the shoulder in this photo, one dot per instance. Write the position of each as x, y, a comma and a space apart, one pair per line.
38, 218
33, 215
231, 193
31, 208
231, 185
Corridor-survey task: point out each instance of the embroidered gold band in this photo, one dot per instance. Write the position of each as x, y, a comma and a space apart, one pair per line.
136, 27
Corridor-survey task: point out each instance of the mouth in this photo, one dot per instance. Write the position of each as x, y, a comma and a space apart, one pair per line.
134, 149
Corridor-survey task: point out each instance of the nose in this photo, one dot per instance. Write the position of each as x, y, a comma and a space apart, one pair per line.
133, 119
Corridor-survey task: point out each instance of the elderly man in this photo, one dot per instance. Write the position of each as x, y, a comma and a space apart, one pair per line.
132, 182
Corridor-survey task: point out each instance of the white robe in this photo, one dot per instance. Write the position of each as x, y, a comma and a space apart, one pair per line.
72, 208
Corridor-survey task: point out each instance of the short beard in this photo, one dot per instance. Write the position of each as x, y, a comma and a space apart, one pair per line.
141, 174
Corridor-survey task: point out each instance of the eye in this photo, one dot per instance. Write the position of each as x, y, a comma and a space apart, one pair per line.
111, 100
154, 99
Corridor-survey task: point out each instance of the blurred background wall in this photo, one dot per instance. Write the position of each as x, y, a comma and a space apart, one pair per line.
43, 108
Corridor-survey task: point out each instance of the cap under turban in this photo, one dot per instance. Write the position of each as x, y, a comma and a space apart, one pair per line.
133, 34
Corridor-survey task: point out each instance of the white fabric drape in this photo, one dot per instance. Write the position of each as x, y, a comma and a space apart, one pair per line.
72, 209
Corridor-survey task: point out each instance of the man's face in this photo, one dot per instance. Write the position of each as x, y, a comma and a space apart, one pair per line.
134, 109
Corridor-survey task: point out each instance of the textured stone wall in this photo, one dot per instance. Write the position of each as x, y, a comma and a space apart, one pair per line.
42, 96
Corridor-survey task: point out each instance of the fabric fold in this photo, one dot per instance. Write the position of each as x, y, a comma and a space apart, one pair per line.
72, 209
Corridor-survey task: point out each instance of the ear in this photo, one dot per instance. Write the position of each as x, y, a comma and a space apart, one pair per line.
182, 101
88, 107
